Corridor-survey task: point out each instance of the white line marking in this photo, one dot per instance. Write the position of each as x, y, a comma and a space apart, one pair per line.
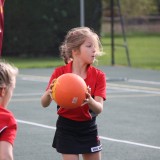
36, 124
133, 87
133, 95
110, 85
25, 99
46, 79
144, 82
26, 94
34, 78
109, 96
129, 142
134, 90
102, 137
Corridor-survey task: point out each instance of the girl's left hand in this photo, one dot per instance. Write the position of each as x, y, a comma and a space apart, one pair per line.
88, 96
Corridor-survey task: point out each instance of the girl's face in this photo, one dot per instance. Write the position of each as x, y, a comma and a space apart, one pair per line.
88, 51
7, 94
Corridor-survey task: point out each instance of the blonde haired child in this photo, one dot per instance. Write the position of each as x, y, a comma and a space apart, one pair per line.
76, 131
8, 125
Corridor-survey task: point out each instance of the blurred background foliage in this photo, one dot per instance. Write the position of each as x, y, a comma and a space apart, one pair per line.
35, 28
138, 15
136, 8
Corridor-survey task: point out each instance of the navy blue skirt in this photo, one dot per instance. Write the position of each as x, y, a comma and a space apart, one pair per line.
73, 137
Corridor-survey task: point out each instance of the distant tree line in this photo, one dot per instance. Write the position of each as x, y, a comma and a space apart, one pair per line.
134, 8
35, 28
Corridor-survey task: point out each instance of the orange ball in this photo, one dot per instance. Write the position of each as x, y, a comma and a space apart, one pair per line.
69, 91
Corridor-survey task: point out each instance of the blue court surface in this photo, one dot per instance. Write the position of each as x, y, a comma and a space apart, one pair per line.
129, 126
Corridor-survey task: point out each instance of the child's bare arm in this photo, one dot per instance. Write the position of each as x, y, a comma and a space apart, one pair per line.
46, 99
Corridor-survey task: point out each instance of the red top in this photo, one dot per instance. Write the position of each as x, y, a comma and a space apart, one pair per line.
96, 80
8, 126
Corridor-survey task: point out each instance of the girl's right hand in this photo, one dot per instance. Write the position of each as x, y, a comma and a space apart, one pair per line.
51, 89
47, 97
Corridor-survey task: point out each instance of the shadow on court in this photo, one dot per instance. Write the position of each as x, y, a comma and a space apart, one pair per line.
128, 126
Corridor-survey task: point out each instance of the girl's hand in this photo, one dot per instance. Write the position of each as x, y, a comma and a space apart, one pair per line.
88, 96
50, 90
47, 97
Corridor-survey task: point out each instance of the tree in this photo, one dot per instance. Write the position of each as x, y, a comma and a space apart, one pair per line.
37, 27
134, 8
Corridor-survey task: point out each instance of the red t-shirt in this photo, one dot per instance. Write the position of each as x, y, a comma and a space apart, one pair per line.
96, 80
8, 126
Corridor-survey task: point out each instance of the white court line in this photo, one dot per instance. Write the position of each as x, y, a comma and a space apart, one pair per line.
110, 85
143, 82
25, 99
109, 96
133, 87
133, 95
46, 79
101, 137
34, 78
26, 94
129, 89
36, 124
129, 142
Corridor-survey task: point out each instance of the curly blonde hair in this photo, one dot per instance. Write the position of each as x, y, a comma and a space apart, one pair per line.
8, 73
75, 38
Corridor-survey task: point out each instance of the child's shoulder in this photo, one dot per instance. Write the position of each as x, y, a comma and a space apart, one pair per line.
63, 69
5, 112
60, 70
96, 70
6, 117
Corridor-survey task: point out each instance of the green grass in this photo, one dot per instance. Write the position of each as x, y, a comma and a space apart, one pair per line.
144, 52
35, 62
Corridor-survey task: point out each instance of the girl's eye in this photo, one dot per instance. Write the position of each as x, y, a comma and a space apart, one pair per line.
89, 46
